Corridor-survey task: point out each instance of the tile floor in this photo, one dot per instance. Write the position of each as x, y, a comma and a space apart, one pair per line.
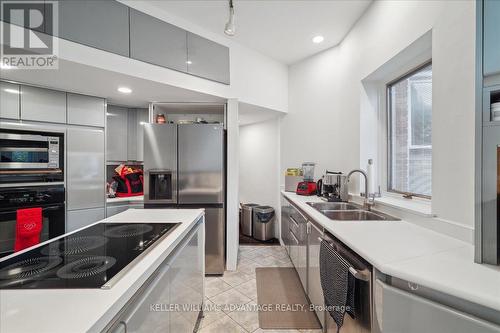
230, 299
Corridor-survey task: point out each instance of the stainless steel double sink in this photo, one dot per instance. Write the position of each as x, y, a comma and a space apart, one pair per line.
346, 211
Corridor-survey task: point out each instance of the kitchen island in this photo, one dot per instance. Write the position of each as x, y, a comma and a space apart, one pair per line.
178, 258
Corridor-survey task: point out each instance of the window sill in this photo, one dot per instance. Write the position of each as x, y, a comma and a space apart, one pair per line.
422, 207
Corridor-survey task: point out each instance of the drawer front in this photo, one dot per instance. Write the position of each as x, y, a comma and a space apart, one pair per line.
140, 318
315, 292
399, 311
294, 227
83, 217
298, 225
297, 216
294, 249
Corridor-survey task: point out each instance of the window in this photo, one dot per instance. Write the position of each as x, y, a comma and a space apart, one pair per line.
410, 133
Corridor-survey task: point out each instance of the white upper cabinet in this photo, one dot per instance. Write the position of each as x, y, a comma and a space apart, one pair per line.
114, 27
207, 59
491, 37
157, 42
86, 110
40, 104
102, 24
117, 133
9, 100
135, 136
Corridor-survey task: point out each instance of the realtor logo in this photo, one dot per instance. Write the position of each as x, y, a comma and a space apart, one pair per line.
27, 34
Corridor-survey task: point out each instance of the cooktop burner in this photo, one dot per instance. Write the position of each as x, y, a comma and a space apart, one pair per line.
86, 267
28, 268
128, 230
74, 245
88, 258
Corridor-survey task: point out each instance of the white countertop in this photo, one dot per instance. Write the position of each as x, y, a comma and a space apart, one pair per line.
84, 310
134, 199
410, 252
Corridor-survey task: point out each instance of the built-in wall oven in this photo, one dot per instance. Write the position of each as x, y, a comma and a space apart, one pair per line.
31, 157
50, 198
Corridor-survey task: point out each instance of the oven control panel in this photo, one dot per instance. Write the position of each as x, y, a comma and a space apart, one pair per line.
53, 146
31, 196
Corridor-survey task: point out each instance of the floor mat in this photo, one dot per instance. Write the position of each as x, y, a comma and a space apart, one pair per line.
282, 301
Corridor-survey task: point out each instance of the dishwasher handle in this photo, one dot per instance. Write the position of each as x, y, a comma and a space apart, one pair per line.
363, 275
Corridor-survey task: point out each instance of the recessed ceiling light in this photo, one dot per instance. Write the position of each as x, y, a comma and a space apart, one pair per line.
189, 62
124, 90
12, 91
318, 39
5, 66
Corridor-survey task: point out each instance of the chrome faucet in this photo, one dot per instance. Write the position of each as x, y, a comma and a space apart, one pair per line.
369, 202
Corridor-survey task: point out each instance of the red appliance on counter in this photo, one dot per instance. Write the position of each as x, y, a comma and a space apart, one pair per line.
306, 188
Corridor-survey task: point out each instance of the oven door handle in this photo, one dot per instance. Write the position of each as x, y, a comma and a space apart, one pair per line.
44, 209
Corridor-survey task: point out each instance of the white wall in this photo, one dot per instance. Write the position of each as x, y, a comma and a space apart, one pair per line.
232, 186
326, 94
259, 163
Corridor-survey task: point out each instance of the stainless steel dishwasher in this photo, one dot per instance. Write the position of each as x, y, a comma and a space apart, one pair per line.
362, 271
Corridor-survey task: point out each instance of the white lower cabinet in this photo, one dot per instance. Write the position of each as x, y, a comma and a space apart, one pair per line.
302, 260
114, 209
171, 299
314, 290
294, 249
298, 246
398, 311
83, 217
149, 313
186, 290
285, 224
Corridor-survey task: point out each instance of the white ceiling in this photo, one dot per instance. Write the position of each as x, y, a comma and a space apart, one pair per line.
281, 29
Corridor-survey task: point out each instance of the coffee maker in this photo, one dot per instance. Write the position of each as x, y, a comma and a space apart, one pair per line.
332, 187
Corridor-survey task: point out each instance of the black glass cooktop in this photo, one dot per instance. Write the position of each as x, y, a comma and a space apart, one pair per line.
86, 259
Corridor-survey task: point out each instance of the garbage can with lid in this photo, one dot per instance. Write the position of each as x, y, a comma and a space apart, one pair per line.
263, 223
246, 218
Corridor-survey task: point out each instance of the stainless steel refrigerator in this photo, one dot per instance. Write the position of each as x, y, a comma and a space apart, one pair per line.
184, 167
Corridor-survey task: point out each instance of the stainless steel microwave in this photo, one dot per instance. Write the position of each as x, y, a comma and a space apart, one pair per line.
28, 156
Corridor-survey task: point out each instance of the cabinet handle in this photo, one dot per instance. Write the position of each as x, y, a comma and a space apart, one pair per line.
294, 222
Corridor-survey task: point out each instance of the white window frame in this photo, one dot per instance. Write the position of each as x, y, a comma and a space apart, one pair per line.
387, 154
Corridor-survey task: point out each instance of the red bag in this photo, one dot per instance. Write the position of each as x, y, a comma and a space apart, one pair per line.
129, 183
28, 228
